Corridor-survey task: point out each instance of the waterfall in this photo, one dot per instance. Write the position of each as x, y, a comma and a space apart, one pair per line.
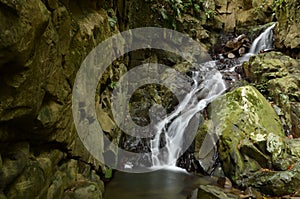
174, 127
173, 131
208, 84
263, 42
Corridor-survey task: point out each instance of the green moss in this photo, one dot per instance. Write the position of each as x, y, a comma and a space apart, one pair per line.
243, 118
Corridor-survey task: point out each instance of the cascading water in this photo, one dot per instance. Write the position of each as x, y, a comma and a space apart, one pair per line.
173, 128
172, 131
208, 84
263, 42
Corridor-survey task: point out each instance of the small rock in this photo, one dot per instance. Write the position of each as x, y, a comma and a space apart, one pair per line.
231, 55
242, 51
237, 42
85, 189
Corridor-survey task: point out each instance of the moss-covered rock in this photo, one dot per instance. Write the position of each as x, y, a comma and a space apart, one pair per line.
43, 44
277, 183
243, 119
13, 162
252, 145
287, 31
267, 66
278, 76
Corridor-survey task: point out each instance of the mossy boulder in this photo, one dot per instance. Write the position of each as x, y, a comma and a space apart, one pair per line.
252, 145
243, 119
284, 178
267, 66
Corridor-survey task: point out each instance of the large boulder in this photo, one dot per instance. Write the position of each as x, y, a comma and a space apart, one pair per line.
252, 145
242, 119
278, 76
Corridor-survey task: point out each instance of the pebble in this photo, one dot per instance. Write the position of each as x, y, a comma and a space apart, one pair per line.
231, 55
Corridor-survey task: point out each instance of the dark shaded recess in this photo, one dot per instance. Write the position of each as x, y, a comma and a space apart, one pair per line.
142, 56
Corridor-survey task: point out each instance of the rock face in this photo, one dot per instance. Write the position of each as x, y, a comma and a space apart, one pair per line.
287, 31
42, 44
202, 20
234, 13
252, 145
278, 76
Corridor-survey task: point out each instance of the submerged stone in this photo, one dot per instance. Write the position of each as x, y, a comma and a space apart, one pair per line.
214, 192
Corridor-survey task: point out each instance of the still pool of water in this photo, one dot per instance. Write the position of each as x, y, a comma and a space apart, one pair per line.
160, 184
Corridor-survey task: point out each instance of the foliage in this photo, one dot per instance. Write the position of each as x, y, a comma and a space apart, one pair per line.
113, 85
112, 21
112, 18
210, 13
279, 4
189, 6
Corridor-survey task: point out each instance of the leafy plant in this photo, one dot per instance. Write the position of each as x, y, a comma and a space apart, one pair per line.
113, 85
112, 18
163, 13
112, 21
196, 6
184, 6
210, 13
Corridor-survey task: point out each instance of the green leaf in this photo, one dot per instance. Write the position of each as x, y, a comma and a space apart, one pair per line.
108, 173
163, 13
196, 6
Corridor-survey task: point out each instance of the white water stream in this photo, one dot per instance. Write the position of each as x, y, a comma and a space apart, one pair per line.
263, 42
174, 126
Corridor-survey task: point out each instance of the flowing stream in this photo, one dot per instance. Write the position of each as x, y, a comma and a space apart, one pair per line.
212, 85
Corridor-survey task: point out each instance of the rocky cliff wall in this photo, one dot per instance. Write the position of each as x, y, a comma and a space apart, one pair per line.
42, 44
